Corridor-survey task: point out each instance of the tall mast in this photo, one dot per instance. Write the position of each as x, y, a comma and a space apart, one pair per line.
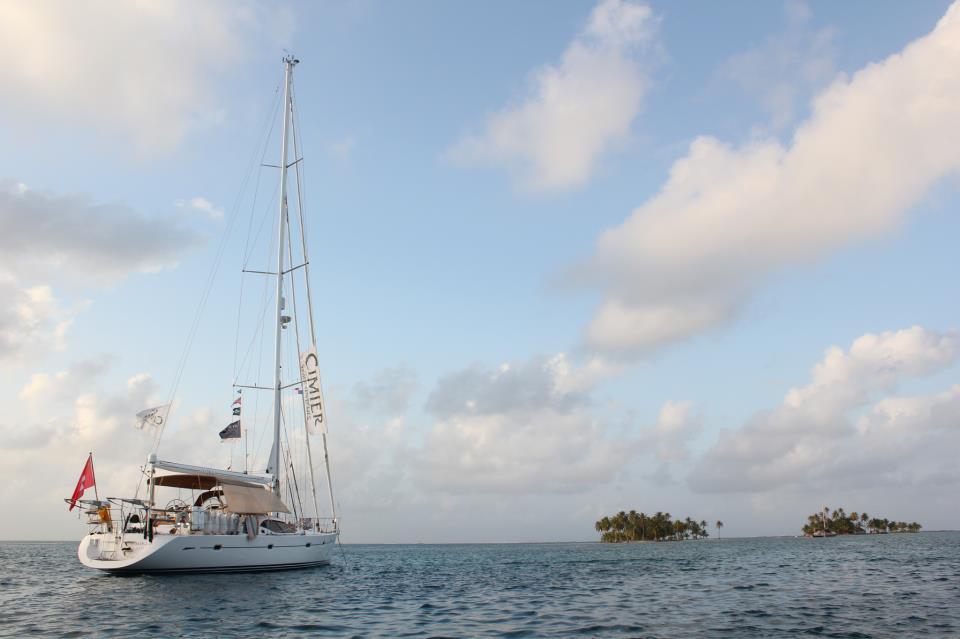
289, 62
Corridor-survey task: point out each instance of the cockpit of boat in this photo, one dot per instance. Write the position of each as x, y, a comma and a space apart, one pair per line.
204, 504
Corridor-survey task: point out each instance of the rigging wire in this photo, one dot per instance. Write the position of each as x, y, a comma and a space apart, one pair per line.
313, 332
195, 325
253, 206
292, 484
296, 327
260, 330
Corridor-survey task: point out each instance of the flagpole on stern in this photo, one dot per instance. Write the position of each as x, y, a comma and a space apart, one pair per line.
96, 493
243, 433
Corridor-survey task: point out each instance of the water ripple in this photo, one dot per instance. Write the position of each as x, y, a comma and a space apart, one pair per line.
857, 587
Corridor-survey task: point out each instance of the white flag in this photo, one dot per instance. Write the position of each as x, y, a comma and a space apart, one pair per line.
313, 407
152, 419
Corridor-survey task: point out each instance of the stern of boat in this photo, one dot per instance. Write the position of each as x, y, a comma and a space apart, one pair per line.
110, 552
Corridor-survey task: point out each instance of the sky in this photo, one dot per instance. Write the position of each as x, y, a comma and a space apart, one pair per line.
568, 258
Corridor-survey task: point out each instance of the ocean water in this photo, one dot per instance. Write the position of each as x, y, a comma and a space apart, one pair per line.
867, 586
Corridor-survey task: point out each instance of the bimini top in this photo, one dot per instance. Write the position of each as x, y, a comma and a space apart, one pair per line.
239, 497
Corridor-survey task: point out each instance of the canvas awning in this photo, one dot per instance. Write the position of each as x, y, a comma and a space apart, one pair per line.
251, 500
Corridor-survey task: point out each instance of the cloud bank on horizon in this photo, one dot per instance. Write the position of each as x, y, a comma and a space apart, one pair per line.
815, 438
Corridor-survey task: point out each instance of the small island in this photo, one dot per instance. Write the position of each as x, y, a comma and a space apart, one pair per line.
827, 523
634, 526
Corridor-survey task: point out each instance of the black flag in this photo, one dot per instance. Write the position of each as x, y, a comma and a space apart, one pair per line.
232, 431
236, 410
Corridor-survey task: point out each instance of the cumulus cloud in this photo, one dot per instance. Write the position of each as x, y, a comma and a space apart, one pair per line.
523, 387
575, 110
844, 425
51, 238
64, 414
72, 236
146, 68
675, 427
79, 375
729, 216
518, 428
31, 319
56, 435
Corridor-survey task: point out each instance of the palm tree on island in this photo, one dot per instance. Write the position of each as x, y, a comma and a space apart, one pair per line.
829, 523
634, 526
719, 526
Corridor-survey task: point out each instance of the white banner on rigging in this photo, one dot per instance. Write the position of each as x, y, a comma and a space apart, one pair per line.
313, 407
152, 419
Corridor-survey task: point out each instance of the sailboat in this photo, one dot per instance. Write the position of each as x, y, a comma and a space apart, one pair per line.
225, 520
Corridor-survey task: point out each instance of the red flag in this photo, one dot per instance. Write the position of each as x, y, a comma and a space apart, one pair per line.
87, 480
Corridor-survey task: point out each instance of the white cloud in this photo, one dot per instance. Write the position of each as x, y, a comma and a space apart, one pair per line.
148, 69
816, 438
400, 479
71, 236
49, 238
518, 429
388, 393
382, 491
56, 435
786, 66
576, 110
31, 320
203, 205
77, 377
62, 416
511, 387
675, 427
687, 259
40, 384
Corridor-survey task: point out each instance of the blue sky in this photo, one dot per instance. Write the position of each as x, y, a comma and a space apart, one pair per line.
586, 250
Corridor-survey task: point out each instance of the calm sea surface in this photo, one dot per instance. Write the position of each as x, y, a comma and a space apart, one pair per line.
868, 586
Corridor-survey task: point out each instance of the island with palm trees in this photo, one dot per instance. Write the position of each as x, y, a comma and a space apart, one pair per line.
827, 523
634, 526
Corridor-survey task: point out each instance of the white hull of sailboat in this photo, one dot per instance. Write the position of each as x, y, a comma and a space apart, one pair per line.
132, 554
